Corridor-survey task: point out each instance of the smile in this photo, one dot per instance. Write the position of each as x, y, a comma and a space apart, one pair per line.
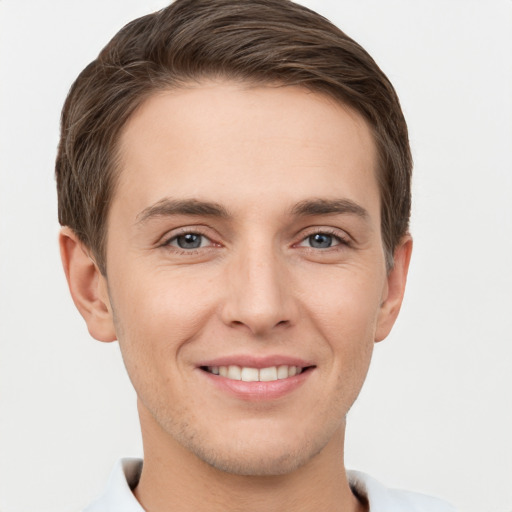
248, 374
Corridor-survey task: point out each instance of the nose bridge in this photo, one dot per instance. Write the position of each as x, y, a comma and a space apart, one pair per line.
259, 295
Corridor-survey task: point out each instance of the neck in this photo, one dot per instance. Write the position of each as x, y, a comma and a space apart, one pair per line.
175, 479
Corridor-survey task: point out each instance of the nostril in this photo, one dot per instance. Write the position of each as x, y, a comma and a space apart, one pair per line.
278, 324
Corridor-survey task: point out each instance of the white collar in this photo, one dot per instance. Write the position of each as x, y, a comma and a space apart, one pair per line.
383, 499
118, 496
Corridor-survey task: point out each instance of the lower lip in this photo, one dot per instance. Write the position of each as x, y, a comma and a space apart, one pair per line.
258, 391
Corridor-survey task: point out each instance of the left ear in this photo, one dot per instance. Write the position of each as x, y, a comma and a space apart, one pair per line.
87, 285
395, 289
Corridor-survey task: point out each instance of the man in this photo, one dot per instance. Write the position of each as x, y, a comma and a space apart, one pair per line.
234, 190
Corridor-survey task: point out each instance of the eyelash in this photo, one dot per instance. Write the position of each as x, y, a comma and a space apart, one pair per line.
341, 240
183, 232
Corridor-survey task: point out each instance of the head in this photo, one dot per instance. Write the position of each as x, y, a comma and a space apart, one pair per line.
234, 184
257, 42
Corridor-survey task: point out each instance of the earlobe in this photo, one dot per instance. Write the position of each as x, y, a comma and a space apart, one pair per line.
395, 289
87, 285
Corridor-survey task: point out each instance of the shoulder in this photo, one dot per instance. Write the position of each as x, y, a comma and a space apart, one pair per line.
383, 499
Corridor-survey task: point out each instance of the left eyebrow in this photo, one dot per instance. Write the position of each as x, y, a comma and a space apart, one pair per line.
311, 207
168, 206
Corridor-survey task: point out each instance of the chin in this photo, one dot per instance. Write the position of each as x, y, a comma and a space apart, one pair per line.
257, 463
270, 454
250, 447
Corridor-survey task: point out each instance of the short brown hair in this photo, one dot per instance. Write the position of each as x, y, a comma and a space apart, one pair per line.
255, 41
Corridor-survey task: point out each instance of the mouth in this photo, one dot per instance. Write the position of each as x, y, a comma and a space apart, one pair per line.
259, 379
250, 374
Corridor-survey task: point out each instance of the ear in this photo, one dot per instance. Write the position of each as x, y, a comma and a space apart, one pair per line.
87, 285
395, 289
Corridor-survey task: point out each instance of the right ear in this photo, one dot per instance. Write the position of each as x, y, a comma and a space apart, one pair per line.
88, 286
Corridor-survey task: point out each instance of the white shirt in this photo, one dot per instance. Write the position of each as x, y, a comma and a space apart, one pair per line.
118, 496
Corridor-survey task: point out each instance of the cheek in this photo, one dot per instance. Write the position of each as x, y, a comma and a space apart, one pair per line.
345, 311
345, 304
156, 316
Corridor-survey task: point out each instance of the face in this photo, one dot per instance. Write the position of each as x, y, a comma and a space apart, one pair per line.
246, 272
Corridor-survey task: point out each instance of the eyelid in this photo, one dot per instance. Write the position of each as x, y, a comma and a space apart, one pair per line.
171, 235
205, 242
340, 235
164, 241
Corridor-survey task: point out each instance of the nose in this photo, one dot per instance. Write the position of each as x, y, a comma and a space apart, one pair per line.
259, 293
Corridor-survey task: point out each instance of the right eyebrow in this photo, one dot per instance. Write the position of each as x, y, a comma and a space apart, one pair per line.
168, 206
312, 207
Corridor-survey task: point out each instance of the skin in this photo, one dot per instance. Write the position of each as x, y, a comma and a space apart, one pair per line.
270, 159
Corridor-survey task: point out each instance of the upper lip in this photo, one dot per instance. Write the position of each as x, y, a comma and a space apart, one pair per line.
251, 361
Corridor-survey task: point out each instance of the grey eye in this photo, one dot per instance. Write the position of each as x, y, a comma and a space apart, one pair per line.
189, 241
321, 241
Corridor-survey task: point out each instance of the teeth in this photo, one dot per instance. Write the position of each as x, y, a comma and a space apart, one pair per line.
268, 374
283, 372
248, 374
234, 372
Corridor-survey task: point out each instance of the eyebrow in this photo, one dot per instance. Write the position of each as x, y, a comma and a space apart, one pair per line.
307, 208
313, 207
168, 206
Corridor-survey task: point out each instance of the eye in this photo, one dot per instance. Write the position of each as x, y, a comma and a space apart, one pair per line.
321, 241
189, 241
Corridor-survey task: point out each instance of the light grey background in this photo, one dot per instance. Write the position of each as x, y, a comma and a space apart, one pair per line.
435, 415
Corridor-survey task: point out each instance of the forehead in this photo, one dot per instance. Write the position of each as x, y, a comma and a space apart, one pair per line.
236, 143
